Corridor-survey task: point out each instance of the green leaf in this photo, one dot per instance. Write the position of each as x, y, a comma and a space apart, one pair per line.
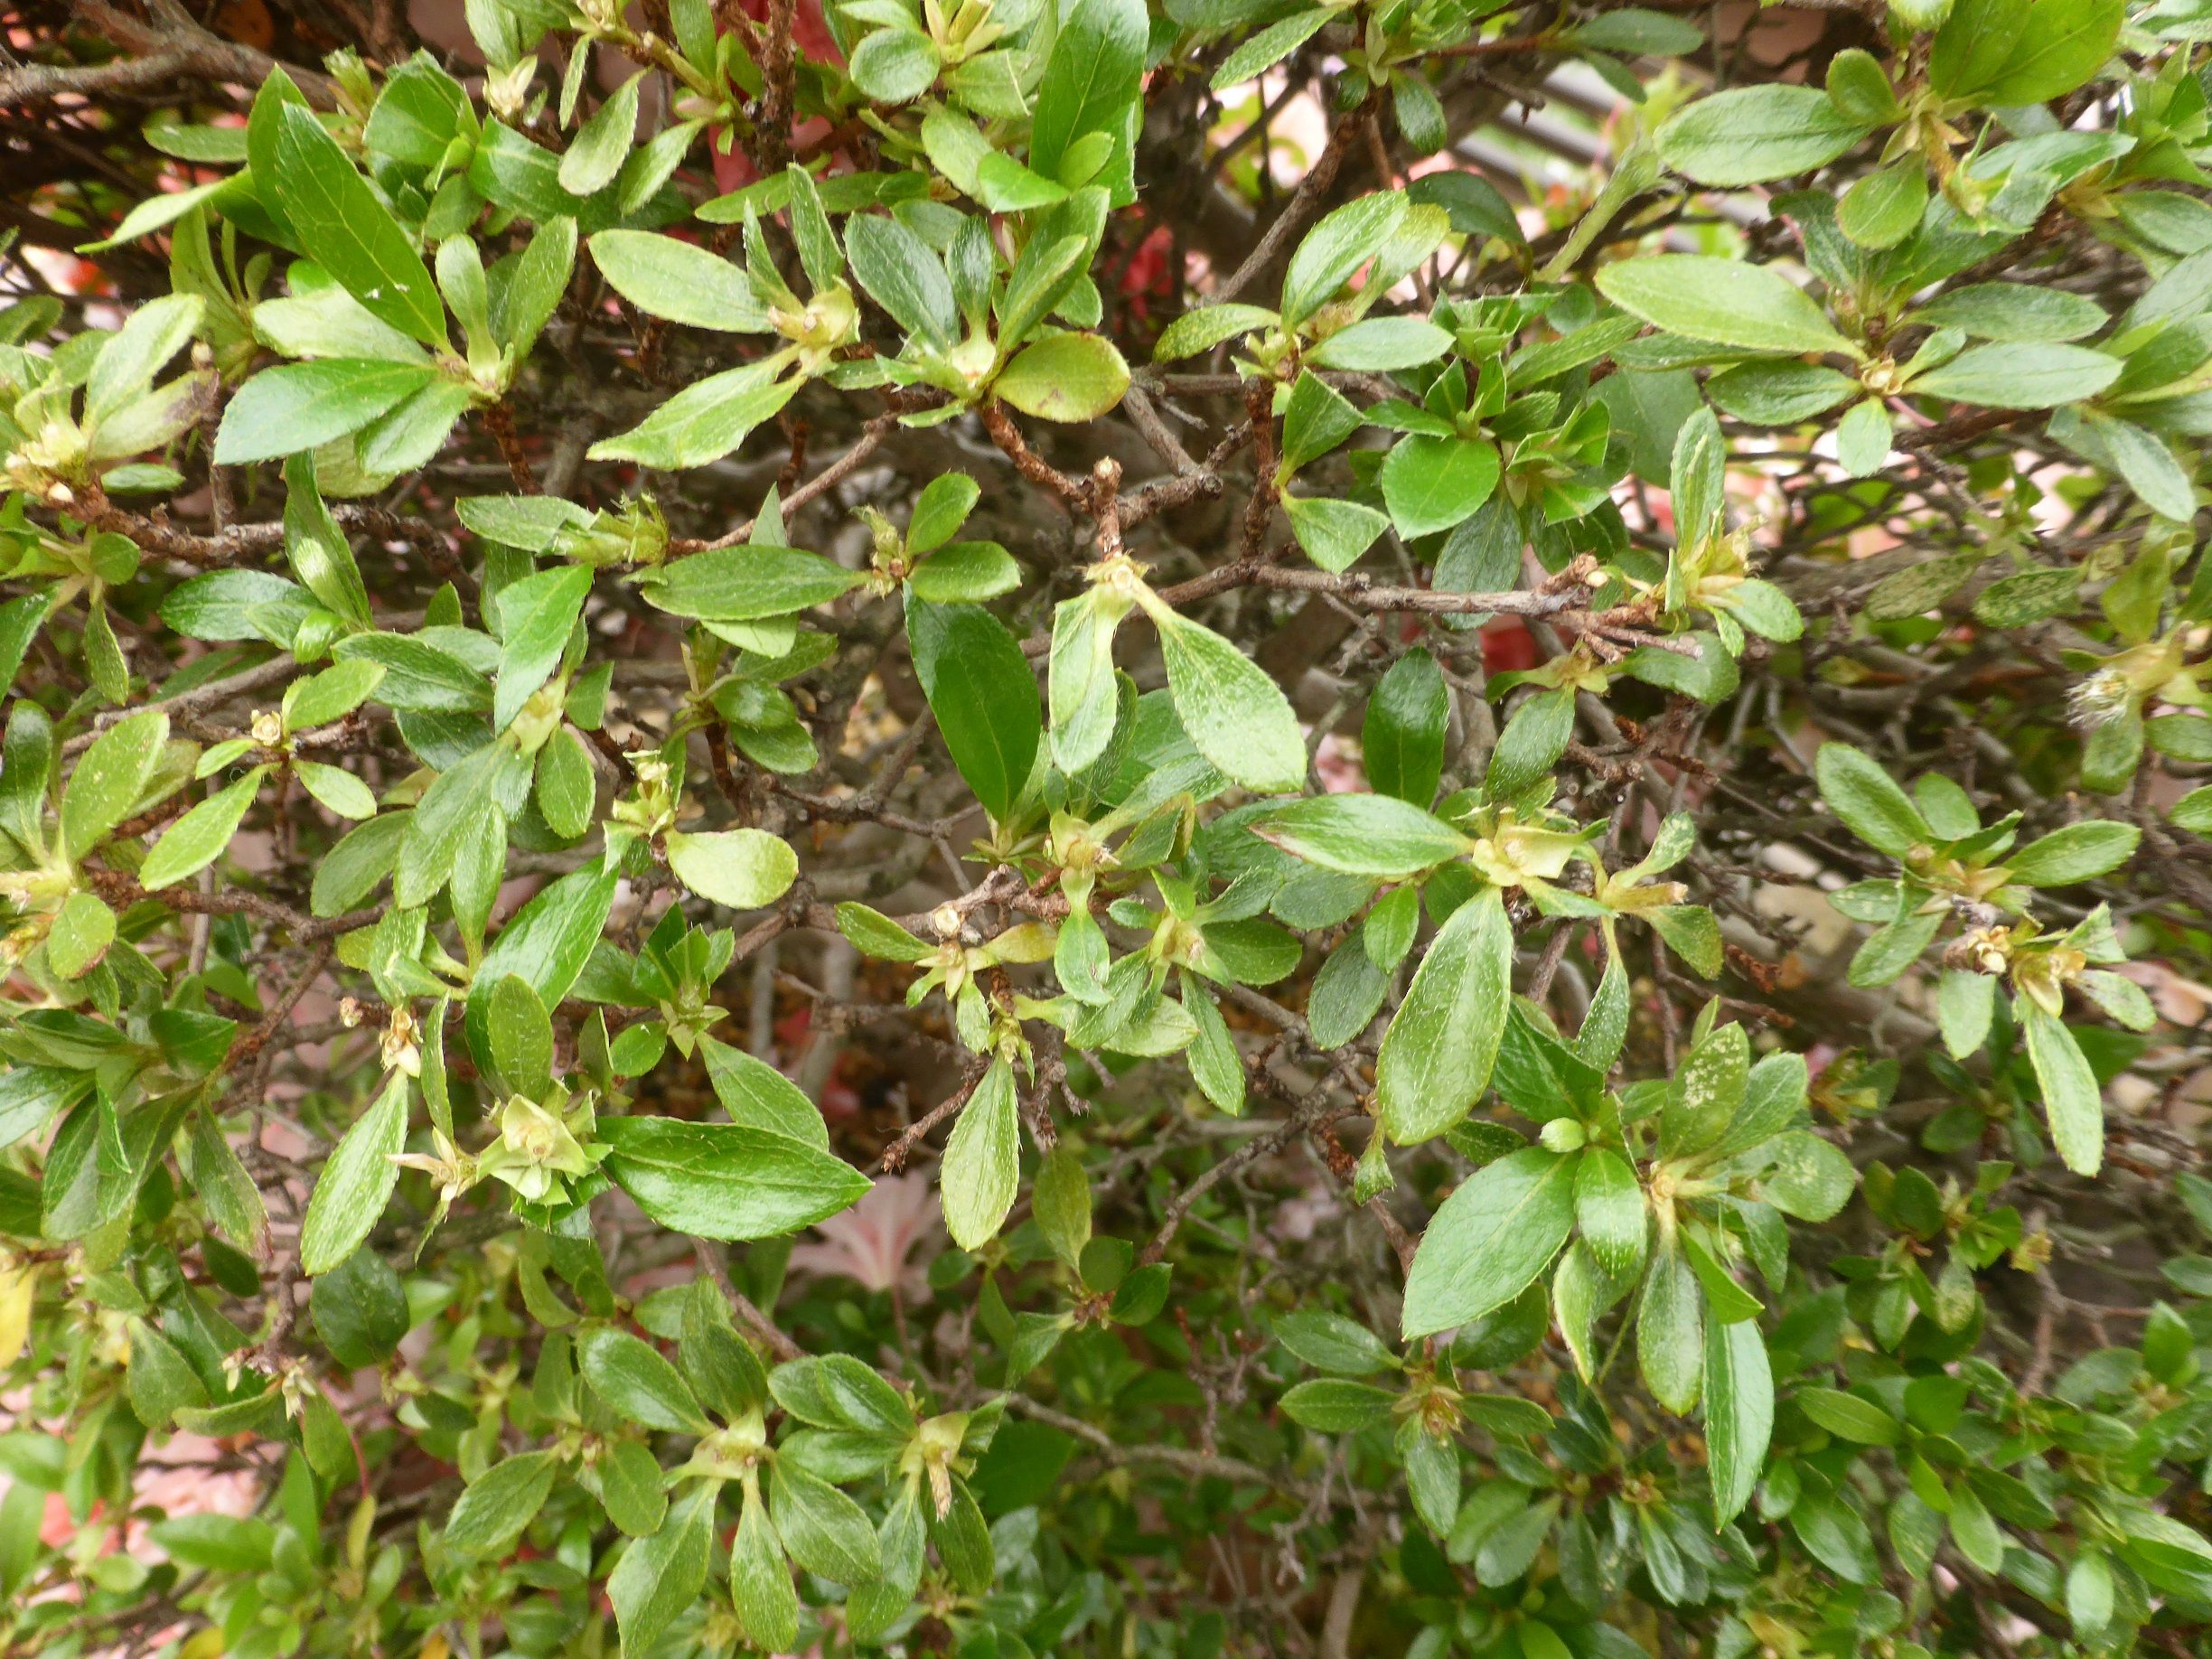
1725, 301
940, 511
1882, 208
218, 1543
1330, 1342
2032, 375
127, 364
2147, 462
876, 934
110, 779
233, 1202
1064, 378
361, 1310
1316, 419
1437, 1055
1215, 1066
1634, 30
520, 1035
1091, 78
1869, 801
1402, 741
760, 1581
545, 944
1266, 48
159, 1380
824, 1531
1807, 1178
1531, 743
1975, 1530
2007, 52
317, 548
680, 281
595, 155
335, 214
754, 1093
451, 809
1703, 1096
895, 66
1490, 1240
748, 584
2017, 312
1332, 1405
1738, 1413
659, 1579
725, 1180
1208, 326
1752, 134
906, 278
634, 1380
1334, 249
565, 786
488, 1517
967, 572
196, 840
298, 406
1060, 1203
984, 694
1378, 836
982, 1160
1237, 718
2078, 852
704, 421
82, 931
2089, 1592
1670, 1330
1433, 483
742, 868
2072, 1100
1610, 1213
351, 1193
155, 213
1381, 345
418, 676
321, 699
1334, 534
1860, 1421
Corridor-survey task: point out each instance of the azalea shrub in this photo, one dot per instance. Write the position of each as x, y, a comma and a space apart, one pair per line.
1086, 828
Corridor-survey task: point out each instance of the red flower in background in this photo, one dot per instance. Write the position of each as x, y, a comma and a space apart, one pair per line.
1507, 645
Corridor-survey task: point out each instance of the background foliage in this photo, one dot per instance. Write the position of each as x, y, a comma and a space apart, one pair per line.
1033, 828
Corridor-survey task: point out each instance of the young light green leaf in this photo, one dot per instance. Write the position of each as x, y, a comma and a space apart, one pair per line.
1437, 1054
110, 779
1378, 836
2072, 1100
1236, 715
743, 869
196, 840
982, 1160
1725, 301
351, 1193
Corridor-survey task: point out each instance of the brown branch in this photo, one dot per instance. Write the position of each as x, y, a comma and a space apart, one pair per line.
1075, 492
1303, 202
172, 32
717, 1268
